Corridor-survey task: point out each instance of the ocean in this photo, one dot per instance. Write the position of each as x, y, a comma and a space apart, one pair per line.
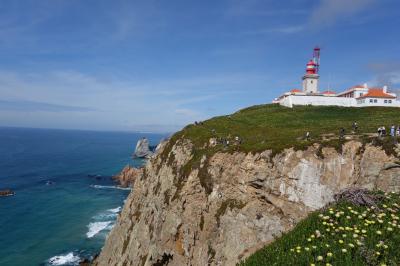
65, 201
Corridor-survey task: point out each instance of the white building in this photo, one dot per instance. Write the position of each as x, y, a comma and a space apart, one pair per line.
357, 96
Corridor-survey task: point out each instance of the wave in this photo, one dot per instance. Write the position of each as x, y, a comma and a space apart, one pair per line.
69, 259
115, 210
110, 187
97, 227
108, 214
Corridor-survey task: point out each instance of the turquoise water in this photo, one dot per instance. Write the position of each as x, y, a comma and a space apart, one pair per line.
65, 200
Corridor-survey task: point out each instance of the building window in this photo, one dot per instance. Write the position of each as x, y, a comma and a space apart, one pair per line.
375, 101
371, 101
390, 101
385, 101
361, 94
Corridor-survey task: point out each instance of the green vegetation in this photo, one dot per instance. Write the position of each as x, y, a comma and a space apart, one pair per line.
275, 127
342, 234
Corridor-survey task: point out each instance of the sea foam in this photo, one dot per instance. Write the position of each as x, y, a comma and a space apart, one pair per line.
110, 187
97, 227
69, 259
115, 210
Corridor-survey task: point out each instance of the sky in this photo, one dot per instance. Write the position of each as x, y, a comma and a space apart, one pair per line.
158, 65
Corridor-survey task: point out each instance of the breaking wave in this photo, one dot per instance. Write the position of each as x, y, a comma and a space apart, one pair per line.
97, 227
67, 259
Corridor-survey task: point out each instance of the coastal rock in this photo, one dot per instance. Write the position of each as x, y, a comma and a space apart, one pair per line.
142, 149
6, 193
231, 204
128, 176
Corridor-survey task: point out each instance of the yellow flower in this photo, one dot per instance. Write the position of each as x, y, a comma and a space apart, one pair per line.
298, 247
351, 245
309, 239
341, 241
344, 250
327, 245
312, 264
377, 253
307, 249
320, 258
328, 264
390, 229
329, 254
379, 232
364, 231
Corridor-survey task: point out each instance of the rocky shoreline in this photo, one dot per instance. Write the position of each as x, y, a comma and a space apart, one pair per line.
128, 175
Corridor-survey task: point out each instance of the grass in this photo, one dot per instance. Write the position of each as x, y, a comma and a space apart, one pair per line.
273, 127
342, 234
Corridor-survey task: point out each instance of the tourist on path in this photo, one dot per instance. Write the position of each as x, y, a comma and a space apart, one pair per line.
355, 126
341, 133
392, 131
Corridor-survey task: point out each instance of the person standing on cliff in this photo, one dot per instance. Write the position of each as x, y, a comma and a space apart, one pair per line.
393, 131
341, 133
355, 127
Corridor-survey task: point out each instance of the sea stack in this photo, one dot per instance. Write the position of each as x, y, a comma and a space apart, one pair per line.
143, 149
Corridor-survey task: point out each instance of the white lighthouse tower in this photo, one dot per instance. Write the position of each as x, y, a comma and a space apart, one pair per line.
311, 78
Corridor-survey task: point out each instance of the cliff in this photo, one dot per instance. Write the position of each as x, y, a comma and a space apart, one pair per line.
198, 202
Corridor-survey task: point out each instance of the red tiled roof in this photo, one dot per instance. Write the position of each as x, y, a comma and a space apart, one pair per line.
295, 90
329, 92
377, 93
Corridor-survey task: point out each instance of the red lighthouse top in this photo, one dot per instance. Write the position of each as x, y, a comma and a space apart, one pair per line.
311, 67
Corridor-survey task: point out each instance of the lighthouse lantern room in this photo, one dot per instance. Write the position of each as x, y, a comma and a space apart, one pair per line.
311, 78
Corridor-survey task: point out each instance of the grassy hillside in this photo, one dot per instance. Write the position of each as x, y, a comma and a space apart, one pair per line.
342, 234
275, 127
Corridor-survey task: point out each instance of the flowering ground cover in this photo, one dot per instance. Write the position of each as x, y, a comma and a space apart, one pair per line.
340, 234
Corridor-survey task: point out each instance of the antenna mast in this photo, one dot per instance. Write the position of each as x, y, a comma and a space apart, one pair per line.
316, 58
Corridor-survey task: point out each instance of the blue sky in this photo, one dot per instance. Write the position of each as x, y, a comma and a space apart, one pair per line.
158, 65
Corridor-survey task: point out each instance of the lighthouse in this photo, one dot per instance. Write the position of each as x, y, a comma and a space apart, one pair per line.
311, 78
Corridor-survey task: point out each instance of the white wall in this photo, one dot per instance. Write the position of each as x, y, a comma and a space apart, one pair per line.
291, 100
310, 83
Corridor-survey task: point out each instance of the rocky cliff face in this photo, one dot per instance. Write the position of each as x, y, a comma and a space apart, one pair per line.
233, 203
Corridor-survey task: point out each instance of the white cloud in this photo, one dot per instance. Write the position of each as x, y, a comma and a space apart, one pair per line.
330, 11
101, 102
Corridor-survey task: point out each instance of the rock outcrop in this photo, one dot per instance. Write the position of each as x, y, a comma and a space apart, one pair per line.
142, 149
128, 176
230, 204
6, 193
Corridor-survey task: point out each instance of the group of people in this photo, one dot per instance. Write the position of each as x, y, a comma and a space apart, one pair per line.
226, 142
394, 131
